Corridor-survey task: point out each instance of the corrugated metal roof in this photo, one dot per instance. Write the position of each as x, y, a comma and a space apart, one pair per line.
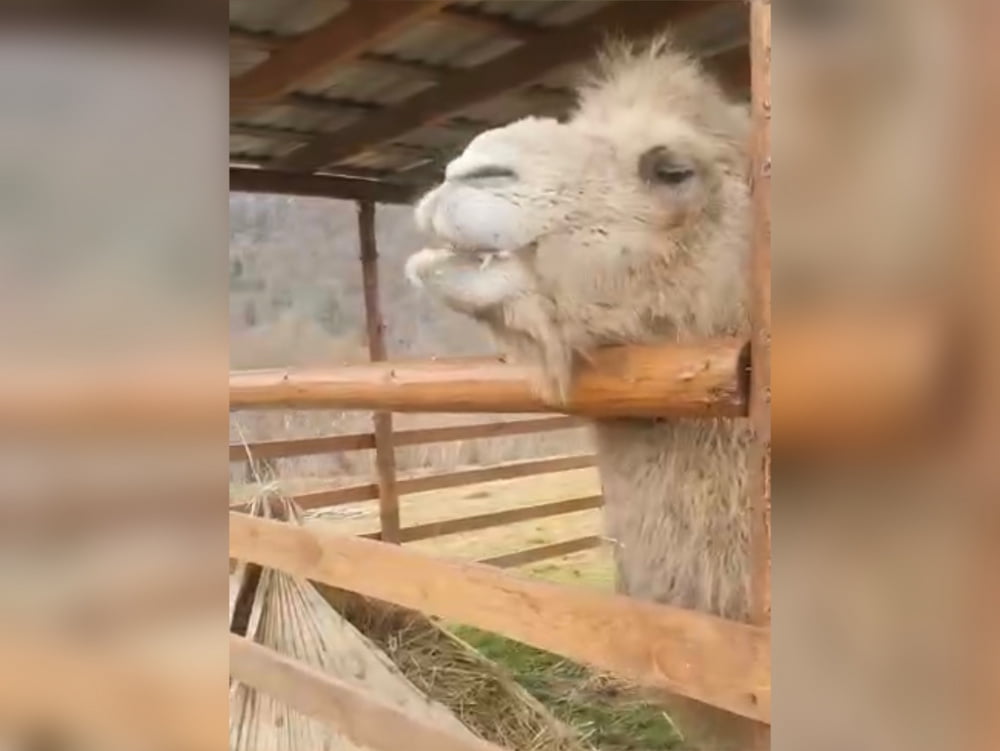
283, 17
432, 47
540, 12
366, 83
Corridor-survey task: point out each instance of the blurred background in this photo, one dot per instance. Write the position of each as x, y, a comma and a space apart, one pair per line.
130, 284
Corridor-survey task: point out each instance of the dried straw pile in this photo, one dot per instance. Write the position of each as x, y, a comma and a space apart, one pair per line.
402, 656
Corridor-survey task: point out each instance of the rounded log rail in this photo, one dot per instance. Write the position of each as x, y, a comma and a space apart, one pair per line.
697, 380
846, 381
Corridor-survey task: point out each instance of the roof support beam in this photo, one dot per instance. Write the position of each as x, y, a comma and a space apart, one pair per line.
518, 68
344, 37
249, 180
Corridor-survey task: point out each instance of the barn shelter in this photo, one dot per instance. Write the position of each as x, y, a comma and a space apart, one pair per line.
369, 100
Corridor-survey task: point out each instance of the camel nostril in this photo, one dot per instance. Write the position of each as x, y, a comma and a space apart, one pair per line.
486, 172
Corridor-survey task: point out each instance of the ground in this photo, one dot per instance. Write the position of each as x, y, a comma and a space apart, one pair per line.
611, 717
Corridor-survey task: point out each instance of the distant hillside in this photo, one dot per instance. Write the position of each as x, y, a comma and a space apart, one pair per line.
296, 294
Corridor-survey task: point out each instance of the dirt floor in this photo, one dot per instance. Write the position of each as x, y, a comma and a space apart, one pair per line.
610, 716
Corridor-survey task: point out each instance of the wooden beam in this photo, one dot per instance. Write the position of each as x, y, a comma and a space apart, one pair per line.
495, 519
249, 180
544, 552
385, 454
256, 40
269, 134
760, 320
679, 380
363, 718
412, 437
517, 68
344, 37
506, 471
722, 663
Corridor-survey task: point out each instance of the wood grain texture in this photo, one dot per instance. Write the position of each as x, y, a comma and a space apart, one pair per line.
715, 661
760, 321
760, 313
689, 380
361, 716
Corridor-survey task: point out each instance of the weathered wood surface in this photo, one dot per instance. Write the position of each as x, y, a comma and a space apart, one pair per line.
719, 662
701, 380
361, 716
385, 453
506, 471
494, 519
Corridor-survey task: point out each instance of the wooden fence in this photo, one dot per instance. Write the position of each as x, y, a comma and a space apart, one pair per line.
370, 491
722, 663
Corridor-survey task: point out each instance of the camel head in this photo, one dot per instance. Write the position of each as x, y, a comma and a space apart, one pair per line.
627, 223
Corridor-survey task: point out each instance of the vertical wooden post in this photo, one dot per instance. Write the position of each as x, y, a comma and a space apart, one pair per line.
385, 458
760, 316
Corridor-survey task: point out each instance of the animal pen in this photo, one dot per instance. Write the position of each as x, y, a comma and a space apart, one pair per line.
356, 151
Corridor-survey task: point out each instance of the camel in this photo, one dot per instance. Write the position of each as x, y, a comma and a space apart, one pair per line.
626, 224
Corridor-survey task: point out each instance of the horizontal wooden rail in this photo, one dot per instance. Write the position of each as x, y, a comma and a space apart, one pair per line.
362, 717
301, 446
413, 437
508, 471
719, 662
692, 380
544, 552
494, 519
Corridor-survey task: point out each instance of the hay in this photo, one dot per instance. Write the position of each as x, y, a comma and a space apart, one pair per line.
402, 656
450, 671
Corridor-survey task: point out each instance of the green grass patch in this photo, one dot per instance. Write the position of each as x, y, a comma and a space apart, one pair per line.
609, 716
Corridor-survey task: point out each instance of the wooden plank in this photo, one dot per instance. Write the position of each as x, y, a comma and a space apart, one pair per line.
544, 552
385, 453
497, 518
412, 437
760, 341
250, 180
517, 68
760, 313
679, 380
361, 716
485, 430
301, 446
507, 471
338, 497
341, 39
719, 662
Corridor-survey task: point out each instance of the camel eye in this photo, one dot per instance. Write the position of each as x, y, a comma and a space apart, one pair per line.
659, 166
